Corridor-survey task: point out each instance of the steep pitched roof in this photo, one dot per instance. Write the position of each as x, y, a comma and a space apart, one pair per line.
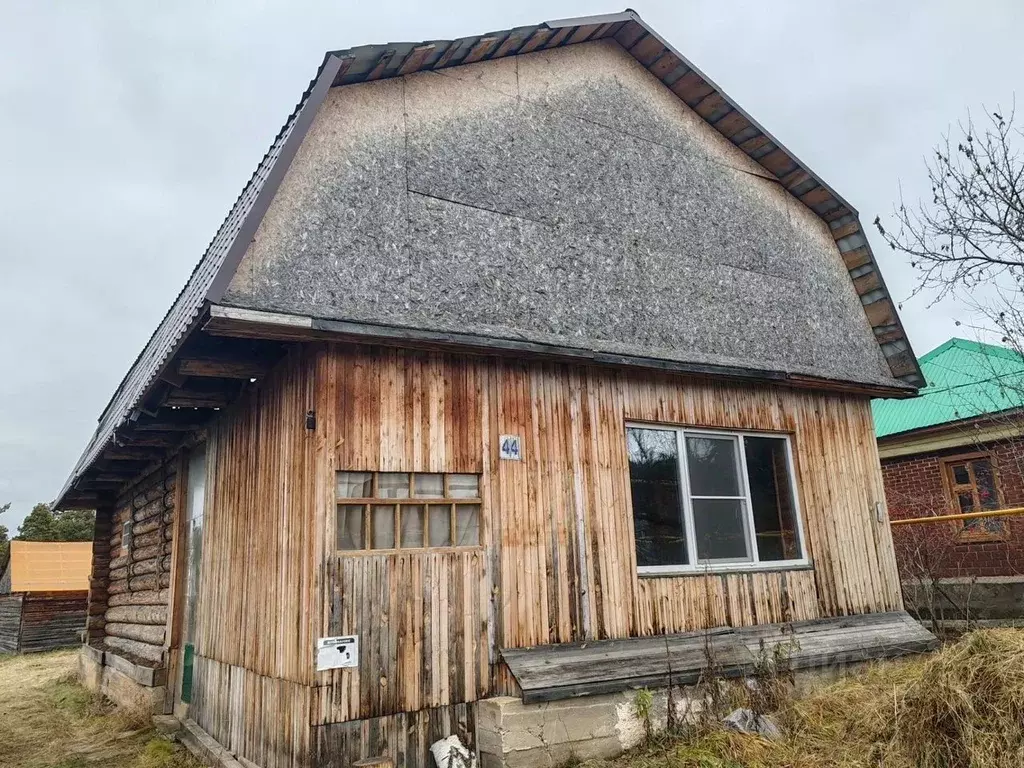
212, 275
966, 379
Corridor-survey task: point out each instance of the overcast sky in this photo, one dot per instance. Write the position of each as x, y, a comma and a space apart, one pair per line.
127, 130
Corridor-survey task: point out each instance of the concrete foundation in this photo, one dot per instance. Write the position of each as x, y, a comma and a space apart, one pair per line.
511, 734
983, 598
121, 685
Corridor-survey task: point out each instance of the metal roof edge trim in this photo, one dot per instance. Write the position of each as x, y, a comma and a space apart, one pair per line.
254, 217
296, 127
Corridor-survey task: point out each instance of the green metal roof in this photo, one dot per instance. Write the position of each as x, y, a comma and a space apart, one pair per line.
964, 379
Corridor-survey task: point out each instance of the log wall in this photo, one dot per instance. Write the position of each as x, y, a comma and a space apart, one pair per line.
556, 563
139, 577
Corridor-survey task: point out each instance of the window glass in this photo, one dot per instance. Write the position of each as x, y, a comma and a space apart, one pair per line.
719, 526
985, 480
415, 510
382, 526
350, 526
771, 497
961, 475
439, 525
393, 485
654, 487
714, 470
464, 486
412, 525
428, 486
355, 485
467, 525
728, 499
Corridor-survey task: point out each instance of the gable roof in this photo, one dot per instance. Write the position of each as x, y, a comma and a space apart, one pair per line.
966, 379
50, 566
209, 280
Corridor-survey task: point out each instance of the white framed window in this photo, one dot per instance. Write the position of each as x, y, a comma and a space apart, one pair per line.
713, 500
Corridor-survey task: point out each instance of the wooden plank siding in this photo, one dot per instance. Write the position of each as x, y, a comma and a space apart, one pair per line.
556, 562
10, 623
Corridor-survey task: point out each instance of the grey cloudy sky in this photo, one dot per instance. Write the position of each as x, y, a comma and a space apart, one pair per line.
127, 130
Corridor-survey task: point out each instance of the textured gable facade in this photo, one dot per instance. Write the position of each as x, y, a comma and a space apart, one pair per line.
562, 197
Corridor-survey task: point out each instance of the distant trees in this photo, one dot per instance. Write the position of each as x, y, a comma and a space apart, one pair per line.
5, 542
43, 524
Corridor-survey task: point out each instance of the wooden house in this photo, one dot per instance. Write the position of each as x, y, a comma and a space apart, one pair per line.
514, 345
44, 591
957, 449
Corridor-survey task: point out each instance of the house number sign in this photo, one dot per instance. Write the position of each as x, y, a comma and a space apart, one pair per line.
510, 448
337, 652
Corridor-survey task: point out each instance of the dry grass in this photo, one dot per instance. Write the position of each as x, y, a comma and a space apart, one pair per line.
962, 707
47, 720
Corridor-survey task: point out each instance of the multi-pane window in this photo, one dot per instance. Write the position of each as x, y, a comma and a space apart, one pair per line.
407, 510
972, 485
705, 499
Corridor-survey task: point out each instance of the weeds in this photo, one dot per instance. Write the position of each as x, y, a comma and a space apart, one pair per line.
960, 707
643, 702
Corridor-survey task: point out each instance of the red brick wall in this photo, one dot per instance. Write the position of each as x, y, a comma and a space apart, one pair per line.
914, 488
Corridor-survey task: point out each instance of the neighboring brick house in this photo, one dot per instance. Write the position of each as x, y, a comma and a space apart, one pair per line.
957, 448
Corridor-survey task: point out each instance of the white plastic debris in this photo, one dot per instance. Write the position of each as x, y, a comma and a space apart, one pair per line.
745, 721
450, 753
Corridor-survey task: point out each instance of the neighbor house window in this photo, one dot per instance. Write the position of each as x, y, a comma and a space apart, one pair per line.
973, 487
718, 500
407, 510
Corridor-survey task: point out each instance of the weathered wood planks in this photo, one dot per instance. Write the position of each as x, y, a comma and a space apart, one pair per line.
556, 562
41, 621
548, 673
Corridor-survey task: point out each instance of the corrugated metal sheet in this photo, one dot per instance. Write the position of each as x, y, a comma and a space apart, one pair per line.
395, 59
50, 566
965, 379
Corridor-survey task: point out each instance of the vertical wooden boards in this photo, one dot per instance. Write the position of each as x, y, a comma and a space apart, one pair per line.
263, 719
405, 738
255, 600
556, 561
10, 623
256, 623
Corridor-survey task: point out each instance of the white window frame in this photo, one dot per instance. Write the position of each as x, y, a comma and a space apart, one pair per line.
682, 467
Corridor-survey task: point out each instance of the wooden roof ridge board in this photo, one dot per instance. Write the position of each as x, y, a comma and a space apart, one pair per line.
553, 672
212, 275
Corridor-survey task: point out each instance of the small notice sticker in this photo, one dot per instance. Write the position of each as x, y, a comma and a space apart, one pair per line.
337, 652
510, 448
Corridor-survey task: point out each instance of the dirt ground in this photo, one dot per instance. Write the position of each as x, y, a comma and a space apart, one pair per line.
47, 720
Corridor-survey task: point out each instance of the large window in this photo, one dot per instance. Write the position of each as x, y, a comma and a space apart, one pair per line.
712, 500
407, 510
973, 487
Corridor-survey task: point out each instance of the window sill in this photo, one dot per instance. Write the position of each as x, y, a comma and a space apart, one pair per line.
660, 571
